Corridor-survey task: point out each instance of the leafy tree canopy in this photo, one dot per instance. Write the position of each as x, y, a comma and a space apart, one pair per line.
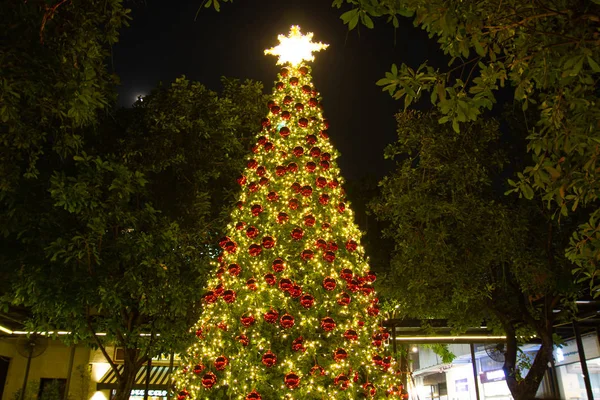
548, 53
464, 251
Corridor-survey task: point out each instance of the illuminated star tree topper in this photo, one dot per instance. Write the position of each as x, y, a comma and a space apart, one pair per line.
295, 47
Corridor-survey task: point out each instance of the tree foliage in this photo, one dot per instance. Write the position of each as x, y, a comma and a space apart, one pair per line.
548, 53
463, 250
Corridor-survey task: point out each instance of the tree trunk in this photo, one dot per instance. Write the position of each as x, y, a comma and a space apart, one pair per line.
526, 388
127, 380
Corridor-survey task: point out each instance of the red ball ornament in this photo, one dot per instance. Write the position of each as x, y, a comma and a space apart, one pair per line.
270, 279
219, 290
307, 301
324, 134
373, 311
326, 225
296, 187
254, 250
284, 131
223, 241
287, 100
329, 283
271, 316
340, 355
310, 167
280, 170
239, 204
286, 321
220, 272
291, 380
346, 274
306, 191
255, 149
370, 389
367, 290
311, 139
321, 182
230, 247
252, 232
256, 209
253, 187
324, 198
272, 196
260, 171
342, 381
264, 181
324, 164
269, 359
303, 70
309, 220
199, 333
284, 72
295, 291
279, 86
229, 296
317, 370
221, 362
386, 363
361, 323
252, 163
269, 146
240, 225
307, 255
268, 242
344, 299
313, 102
265, 122
222, 326
292, 167
278, 265
275, 110
210, 297
198, 368
371, 276
351, 245
182, 395
253, 395
329, 256
286, 115
328, 324
377, 359
321, 244
351, 335
282, 218
247, 320
298, 151
297, 233
294, 81
332, 246
234, 269
251, 284
377, 339
285, 284
243, 339
208, 380
333, 184
353, 285
326, 123
298, 344
299, 107
341, 207
306, 89
293, 204
315, 152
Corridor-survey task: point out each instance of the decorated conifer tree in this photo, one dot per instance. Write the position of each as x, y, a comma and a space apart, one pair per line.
290, 312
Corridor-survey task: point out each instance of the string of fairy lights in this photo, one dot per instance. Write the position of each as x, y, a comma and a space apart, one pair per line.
290, 311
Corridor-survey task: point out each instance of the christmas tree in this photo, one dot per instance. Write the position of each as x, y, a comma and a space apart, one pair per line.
290, 312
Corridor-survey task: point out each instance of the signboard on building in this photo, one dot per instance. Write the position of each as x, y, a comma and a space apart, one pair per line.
461, 385
492, 376
568, 353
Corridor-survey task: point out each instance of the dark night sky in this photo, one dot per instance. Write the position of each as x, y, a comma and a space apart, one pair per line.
165, 42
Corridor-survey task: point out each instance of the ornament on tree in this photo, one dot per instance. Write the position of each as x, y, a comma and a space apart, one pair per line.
269, 359
291, 380
286, 321
271, 316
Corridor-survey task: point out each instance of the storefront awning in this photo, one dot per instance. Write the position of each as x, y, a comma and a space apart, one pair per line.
159, 378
